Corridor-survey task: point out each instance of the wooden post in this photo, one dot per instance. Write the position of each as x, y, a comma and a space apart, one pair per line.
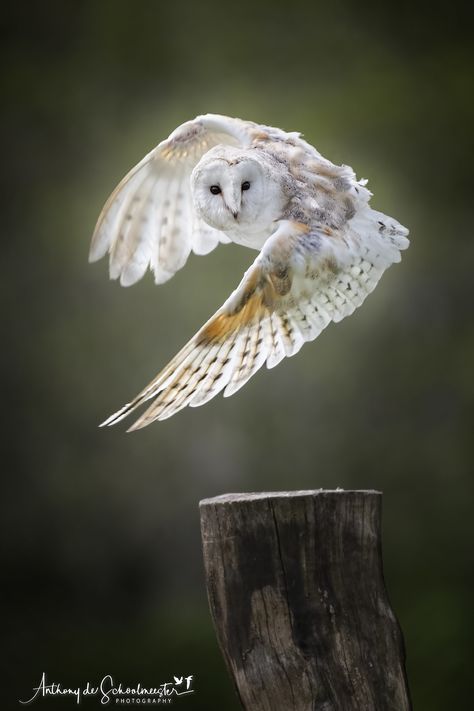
298, 600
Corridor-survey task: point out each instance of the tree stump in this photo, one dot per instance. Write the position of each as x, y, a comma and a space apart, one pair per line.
298, 601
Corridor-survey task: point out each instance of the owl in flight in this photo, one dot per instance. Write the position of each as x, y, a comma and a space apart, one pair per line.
321, 247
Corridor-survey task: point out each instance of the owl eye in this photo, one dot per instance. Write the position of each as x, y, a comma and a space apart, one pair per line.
215, 189
245, 185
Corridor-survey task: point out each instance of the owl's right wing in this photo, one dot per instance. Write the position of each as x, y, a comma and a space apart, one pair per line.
149, 219
304, 278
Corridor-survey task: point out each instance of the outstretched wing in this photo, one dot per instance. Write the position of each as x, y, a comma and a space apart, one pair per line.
303, 278
149, 220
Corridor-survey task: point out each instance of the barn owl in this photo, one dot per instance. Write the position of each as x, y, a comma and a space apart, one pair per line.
322, 248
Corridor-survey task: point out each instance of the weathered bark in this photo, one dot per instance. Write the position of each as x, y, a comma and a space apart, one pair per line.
299, 604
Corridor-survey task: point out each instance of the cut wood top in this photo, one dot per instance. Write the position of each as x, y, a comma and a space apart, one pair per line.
256, 495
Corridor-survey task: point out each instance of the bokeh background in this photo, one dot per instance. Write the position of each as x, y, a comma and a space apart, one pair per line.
102, 569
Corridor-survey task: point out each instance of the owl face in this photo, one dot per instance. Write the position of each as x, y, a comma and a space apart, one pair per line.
234, 191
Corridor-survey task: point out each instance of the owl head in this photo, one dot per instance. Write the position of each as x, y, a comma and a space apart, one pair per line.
234, 189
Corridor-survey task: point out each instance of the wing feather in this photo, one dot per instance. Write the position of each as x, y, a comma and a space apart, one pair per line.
110, 218
301, 281
218, 374
128, 255
149, 219
277, 351
252, 357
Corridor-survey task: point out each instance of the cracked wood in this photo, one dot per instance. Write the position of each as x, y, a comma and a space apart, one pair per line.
298, 600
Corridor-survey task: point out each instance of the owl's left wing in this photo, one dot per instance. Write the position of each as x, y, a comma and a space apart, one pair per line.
149, 219
303, 278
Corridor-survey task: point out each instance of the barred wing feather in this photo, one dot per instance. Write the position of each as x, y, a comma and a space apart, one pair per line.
304, 278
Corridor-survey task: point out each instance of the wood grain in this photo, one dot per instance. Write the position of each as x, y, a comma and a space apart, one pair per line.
298, 600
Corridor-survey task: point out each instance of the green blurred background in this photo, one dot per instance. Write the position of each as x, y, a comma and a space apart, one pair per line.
102, 571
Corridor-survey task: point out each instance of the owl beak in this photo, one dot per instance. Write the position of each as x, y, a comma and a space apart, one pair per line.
233, 204
233, 209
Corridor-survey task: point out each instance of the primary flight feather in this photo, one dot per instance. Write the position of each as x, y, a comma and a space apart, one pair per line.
322, 248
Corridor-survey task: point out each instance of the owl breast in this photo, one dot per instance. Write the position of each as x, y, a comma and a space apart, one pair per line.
244, 236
